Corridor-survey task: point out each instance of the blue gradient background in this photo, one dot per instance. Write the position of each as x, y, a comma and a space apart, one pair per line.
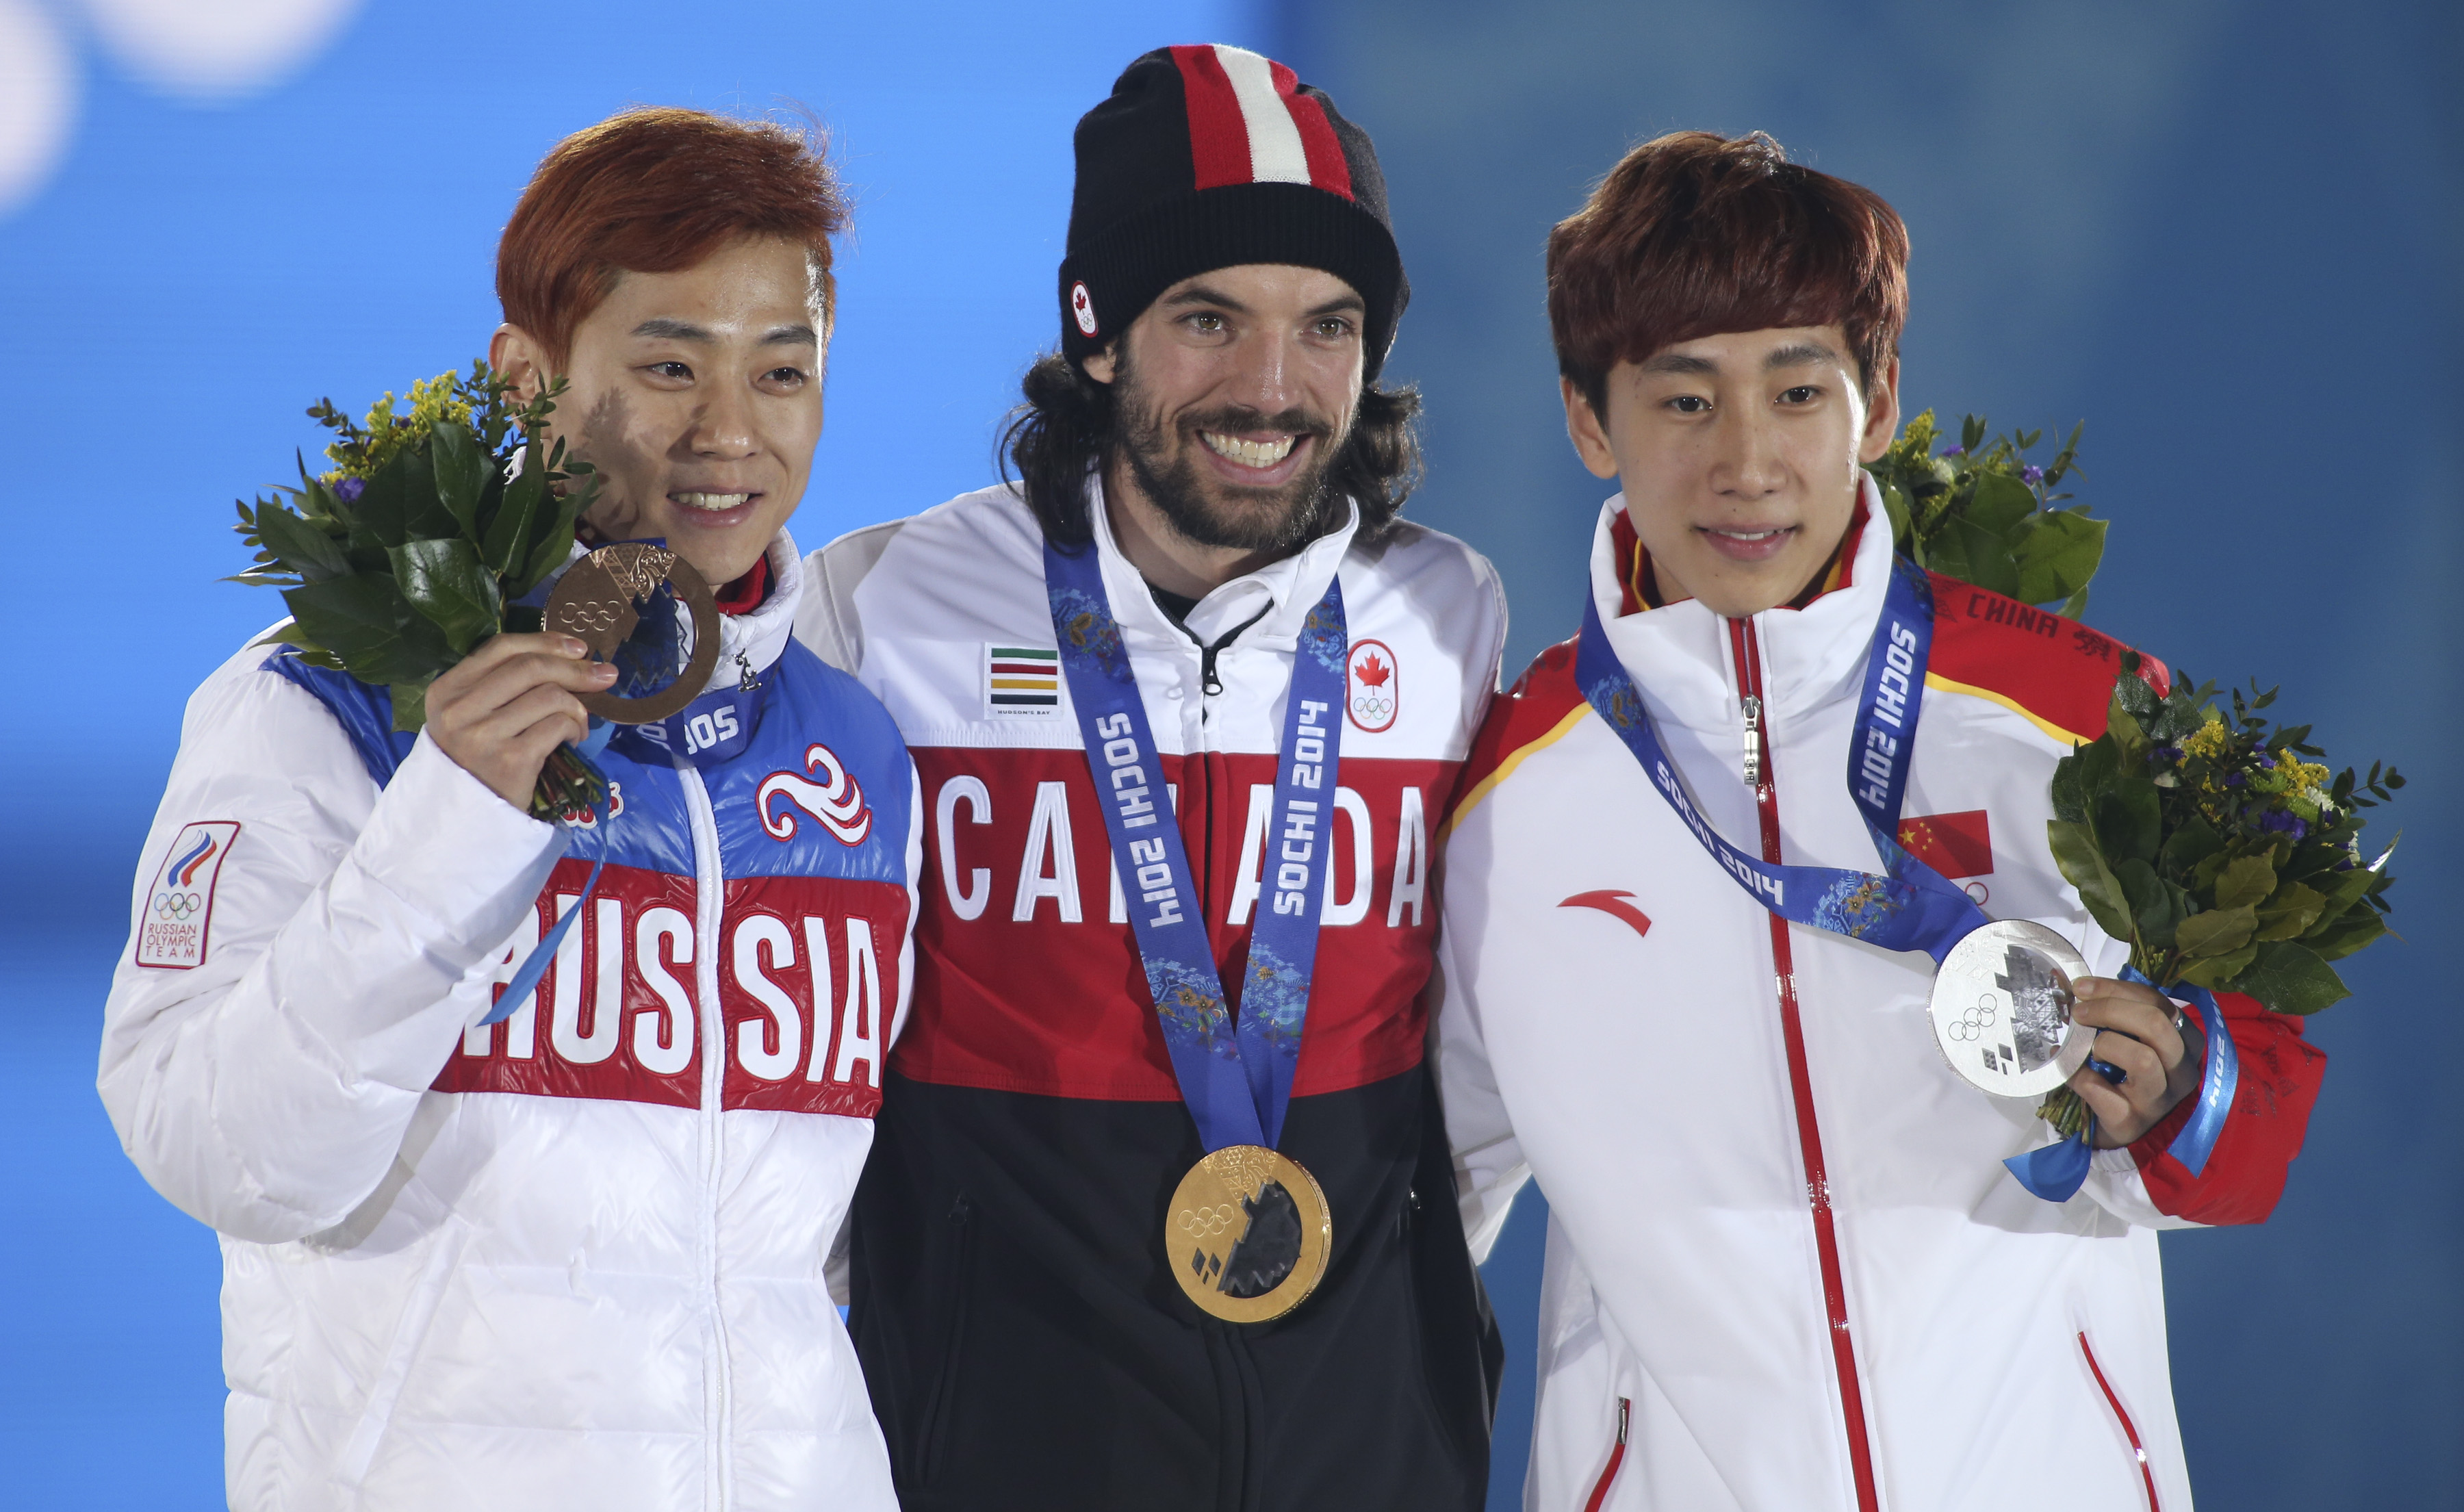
2226, 236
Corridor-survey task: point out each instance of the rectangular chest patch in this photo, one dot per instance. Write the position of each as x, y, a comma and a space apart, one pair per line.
1956, 844
1022, 680
180, 906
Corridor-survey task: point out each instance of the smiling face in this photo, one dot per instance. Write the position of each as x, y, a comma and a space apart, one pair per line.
1235, 390
1738, 454
697, 397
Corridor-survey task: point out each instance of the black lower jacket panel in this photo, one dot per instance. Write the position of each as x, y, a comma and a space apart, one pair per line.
1026, 1348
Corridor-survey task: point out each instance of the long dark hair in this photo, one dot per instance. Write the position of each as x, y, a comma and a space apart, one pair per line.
1065, 427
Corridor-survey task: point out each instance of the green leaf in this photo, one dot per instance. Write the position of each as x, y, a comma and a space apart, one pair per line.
300, 546
2000, 503
2245, 881
2129, 821
2075, 605
366, 622
2194, 840
2342, 938
2217, 932
2057, 552
2075, 852
551, 543
376, 517
2291, 978
410, 705
2290, 911
443, 579
2070, 785
461, 470
2157, 906
2216, 972
425, 516
1989, 559
509, 534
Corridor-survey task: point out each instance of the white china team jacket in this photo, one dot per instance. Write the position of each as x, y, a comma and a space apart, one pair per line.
574, 1259
1786, 1268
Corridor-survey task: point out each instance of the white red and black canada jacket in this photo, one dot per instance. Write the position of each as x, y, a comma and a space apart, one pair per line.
575, 1258
1743, 1200
1023, 1341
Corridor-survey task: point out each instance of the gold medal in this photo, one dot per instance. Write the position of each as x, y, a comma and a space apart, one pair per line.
1248, 1234
596, 603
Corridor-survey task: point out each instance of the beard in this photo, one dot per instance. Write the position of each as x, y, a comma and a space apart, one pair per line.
1162, 458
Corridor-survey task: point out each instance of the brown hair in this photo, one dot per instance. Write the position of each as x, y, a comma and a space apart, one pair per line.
1694, 234
656, 189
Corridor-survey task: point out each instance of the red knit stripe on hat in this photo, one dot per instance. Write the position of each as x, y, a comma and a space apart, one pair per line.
1219, 140
1325, 166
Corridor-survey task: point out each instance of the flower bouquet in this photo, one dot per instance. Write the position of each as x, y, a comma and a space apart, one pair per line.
1982, 512
2226, 860
416, 545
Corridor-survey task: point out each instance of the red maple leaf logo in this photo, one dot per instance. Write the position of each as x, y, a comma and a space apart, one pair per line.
1373, 671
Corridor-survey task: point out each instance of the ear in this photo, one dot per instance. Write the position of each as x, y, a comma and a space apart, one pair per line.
516, 354
1881, 414
1585, 429
1103, 365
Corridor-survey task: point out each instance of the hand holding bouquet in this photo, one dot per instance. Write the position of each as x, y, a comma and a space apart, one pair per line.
415, 548
2225, 859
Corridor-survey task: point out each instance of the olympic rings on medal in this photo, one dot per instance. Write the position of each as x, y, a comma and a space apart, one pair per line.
1207, 1222
1971, 1024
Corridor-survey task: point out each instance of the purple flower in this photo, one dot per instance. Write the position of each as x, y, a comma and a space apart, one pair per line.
1954, 451
2171, 755
2032, 475
2266, 762
2235, 780
2282, 823
350, 489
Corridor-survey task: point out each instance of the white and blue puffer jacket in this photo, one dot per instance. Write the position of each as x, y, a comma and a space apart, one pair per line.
575, 1258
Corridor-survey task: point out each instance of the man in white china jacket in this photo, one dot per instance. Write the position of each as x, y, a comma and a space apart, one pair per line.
1786, 1269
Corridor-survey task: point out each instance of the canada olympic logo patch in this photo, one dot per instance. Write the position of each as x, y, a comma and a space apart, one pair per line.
180, 906
1371, 692
1081, 308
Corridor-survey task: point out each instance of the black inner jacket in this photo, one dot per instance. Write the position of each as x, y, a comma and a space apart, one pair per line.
1026, 1347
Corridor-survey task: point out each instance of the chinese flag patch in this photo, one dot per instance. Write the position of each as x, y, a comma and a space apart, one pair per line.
1956, 844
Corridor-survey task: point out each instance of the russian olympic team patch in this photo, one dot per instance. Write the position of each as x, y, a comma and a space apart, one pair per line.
180, 903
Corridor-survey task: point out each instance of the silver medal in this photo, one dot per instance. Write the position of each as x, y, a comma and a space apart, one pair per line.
2001, 1009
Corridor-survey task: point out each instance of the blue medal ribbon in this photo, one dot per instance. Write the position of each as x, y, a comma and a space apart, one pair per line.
1910, 907
1236, 1078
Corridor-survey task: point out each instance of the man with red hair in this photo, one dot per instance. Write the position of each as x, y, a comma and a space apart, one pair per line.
570, 1255
1785, 1267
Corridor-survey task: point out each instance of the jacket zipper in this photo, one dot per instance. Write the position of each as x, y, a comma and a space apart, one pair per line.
1746, 650
710, 897
1616, 1458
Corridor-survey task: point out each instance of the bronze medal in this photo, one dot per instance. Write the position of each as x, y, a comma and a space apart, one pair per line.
1248, 1234
598, 602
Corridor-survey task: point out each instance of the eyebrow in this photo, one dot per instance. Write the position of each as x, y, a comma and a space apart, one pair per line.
1798, 356
659, 328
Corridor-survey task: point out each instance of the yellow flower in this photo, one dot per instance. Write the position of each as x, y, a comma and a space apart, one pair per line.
2209, 740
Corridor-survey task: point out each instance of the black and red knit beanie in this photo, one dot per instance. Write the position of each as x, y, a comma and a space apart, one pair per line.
1212, 157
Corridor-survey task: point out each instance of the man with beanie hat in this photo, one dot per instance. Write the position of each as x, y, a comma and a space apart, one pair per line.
1105, 1255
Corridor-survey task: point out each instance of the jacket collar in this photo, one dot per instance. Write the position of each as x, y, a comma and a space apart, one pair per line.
1287, 589
1679, 655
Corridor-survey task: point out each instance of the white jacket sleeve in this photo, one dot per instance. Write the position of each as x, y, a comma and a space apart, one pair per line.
1489, 1168
351, 936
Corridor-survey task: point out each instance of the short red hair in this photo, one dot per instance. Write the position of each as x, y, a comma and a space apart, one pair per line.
657, 190
1693, 234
